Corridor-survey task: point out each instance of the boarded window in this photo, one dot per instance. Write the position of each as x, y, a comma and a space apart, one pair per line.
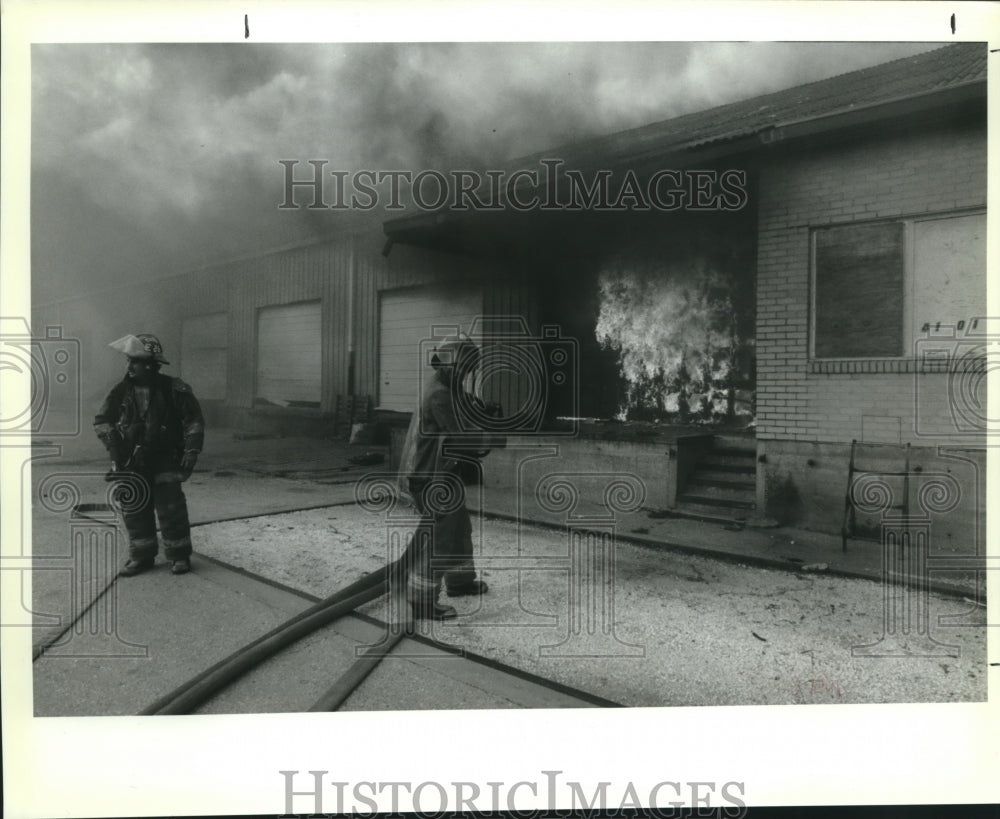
204, 350
859, 291
289, 355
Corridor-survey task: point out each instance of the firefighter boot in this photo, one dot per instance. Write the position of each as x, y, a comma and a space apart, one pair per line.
432, 610
134, 566
473, 587
182, 566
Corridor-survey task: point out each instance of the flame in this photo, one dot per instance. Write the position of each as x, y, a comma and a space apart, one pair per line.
673, 328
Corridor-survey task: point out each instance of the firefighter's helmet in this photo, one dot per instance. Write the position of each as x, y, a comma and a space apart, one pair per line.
457, 351
143, 345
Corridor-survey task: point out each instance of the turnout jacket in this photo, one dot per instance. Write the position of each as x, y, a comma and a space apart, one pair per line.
436, 443
154, 437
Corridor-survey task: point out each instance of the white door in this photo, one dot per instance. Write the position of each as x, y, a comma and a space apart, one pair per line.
409, 319
289, 355
204, 352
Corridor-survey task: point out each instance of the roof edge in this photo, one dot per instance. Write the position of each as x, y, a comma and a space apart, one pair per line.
753, 140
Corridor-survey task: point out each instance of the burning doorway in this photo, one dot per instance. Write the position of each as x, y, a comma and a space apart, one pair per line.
664, 319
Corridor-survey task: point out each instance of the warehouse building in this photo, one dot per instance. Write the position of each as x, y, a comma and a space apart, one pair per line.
271, 342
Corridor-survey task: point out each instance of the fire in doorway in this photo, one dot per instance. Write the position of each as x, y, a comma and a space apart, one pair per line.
683, 331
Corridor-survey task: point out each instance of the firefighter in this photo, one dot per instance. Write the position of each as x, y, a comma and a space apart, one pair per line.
438, 458
152, 427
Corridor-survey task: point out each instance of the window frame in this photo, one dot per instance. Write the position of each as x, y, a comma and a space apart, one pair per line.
877, 363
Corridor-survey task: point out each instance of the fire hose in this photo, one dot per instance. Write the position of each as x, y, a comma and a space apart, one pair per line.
334, 697
189, 695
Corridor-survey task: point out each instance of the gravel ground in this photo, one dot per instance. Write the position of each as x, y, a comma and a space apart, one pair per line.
687, 630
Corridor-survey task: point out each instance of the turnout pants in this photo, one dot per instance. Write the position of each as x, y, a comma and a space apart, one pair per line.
441, 551
166, 502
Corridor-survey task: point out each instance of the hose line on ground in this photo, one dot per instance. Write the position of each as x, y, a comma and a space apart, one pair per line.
189, 695
345, 685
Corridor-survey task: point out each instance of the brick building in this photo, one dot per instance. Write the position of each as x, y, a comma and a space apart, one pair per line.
855, 356
866, 209
858, 257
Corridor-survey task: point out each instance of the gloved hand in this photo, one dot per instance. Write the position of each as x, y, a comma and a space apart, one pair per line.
188, 462
495, 439
489, 408
113, 472
137, 462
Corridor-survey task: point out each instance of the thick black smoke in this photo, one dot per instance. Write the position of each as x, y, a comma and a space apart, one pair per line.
149, 160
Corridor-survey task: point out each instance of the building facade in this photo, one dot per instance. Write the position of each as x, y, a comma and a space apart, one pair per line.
271, 342
867, 201
871, 272
861, 244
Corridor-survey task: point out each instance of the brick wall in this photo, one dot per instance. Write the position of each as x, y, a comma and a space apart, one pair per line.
899, 176
801, 404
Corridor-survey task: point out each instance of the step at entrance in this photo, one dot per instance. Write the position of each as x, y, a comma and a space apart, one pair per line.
723, 485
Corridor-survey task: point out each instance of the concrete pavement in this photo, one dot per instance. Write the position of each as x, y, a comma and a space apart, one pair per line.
325, 463
306, 472
168, 629
191, 622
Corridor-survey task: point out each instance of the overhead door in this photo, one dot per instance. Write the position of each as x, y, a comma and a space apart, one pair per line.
289, 359
204, 352
408, 320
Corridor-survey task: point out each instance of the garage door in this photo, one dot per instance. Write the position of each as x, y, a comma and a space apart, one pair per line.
289, 356
204, 350
407, 318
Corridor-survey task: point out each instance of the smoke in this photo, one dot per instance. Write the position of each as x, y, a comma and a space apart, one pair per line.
162, 158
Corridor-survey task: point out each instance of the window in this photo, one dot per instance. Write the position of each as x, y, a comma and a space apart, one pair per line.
859, 291
878, 287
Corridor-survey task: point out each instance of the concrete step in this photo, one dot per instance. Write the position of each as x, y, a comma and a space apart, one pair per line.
739, 443
729, 461
725, 498
710, 514
722, 478
733, 452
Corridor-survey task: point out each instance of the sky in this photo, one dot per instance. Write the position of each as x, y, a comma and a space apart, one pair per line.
150, 160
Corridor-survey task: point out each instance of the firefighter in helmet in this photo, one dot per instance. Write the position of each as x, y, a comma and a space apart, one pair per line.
152, 427
438, 459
